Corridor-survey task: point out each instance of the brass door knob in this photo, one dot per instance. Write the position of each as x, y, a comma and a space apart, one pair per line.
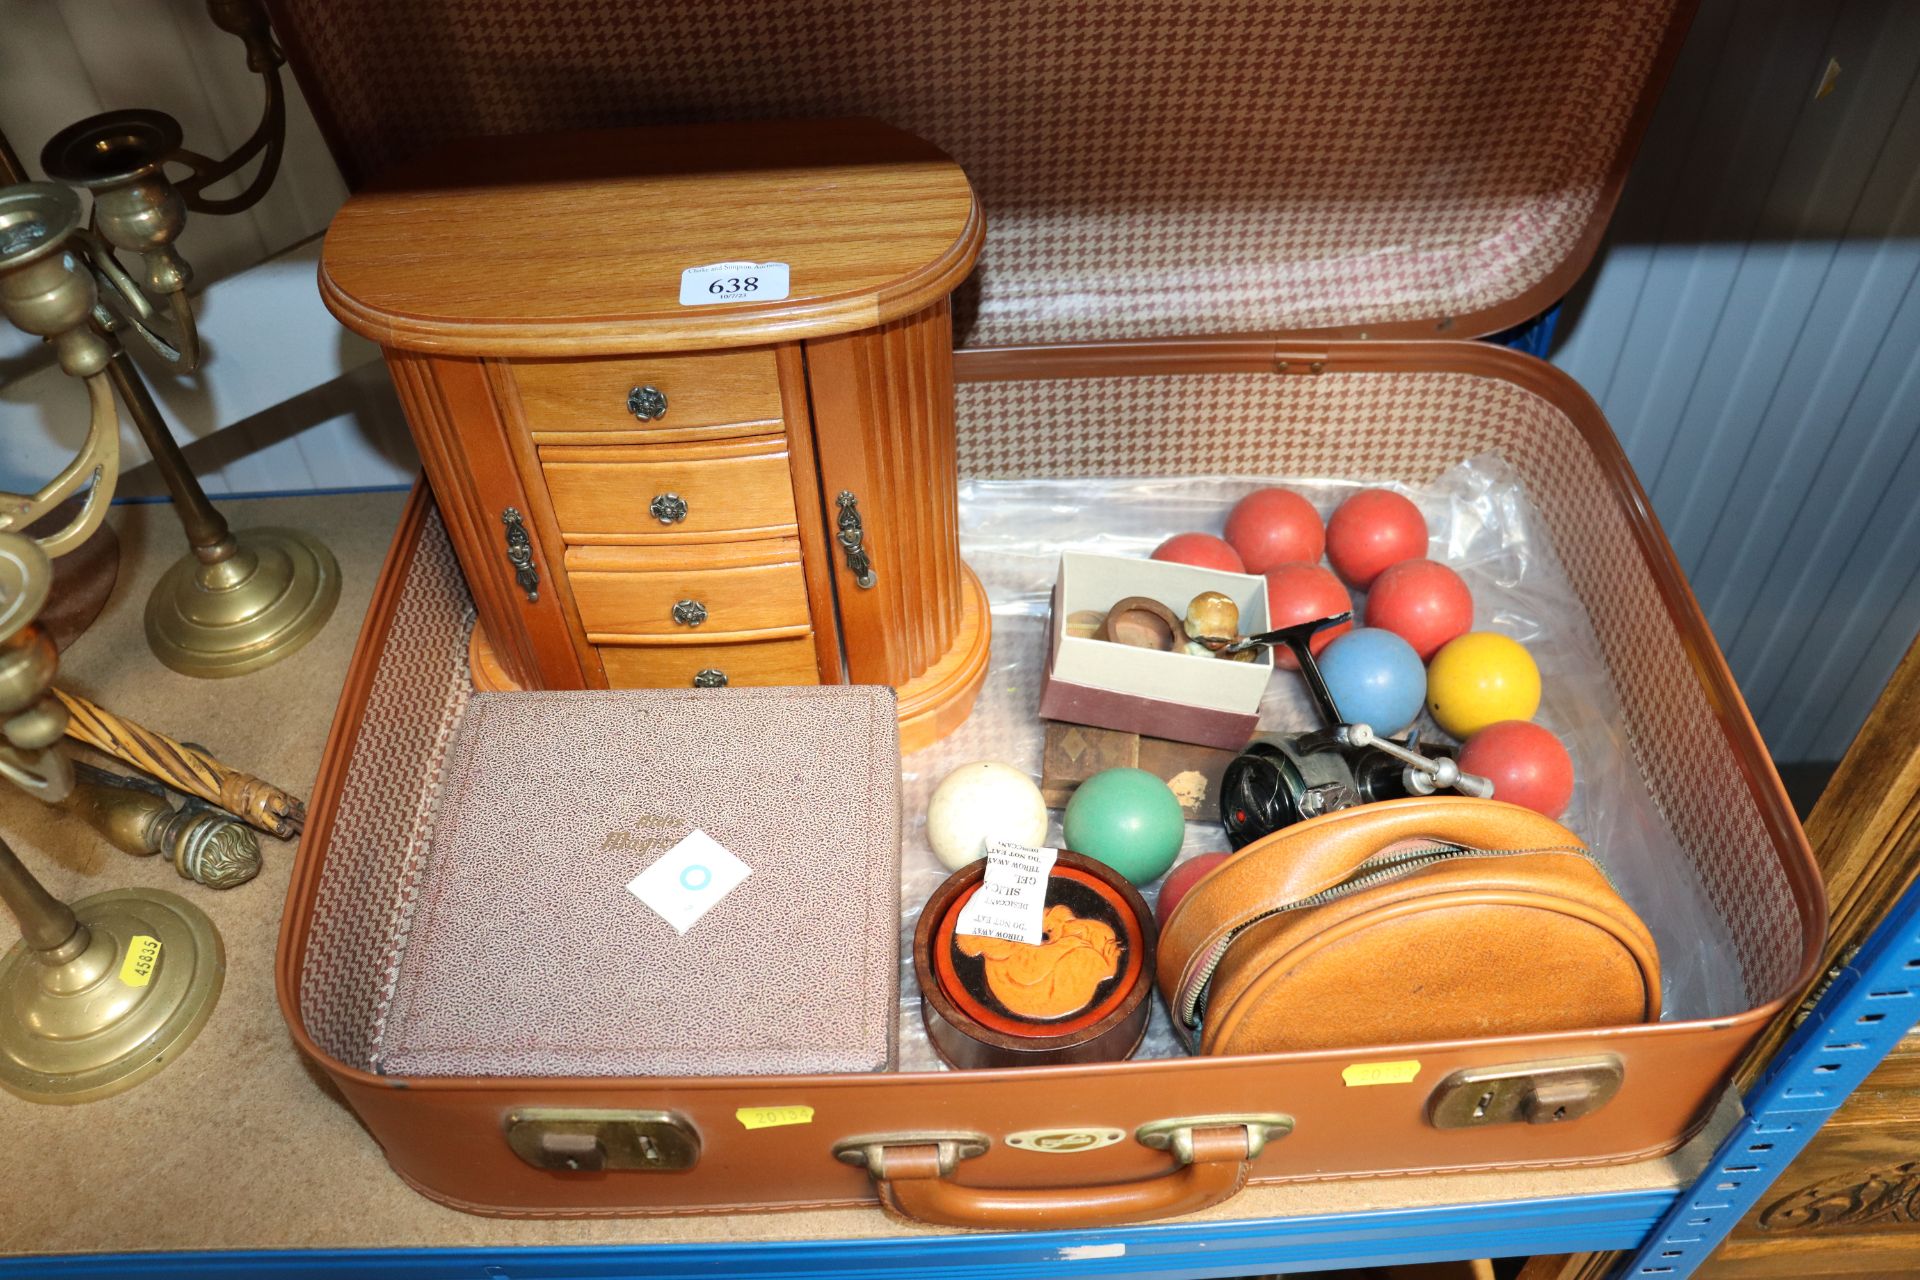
647, 403
689, 613
668, 508
711, 678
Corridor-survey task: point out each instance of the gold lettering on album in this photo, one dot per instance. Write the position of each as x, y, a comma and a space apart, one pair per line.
645, 834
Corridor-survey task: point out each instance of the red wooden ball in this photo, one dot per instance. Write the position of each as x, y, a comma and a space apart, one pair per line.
1423, 602
1300, 592
1182, 878
1202, 549
1371, 530
1527, 764
1275, 526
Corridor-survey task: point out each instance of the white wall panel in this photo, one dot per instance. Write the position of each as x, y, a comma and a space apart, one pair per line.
1751, 330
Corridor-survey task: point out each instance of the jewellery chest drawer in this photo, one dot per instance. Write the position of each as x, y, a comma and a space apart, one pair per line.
677, 492
789, 660
722, 587
700, 395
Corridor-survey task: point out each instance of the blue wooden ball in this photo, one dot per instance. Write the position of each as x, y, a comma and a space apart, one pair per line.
1376, 678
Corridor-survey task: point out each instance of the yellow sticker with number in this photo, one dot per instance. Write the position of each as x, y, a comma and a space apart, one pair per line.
143, 956
772, 1117
1365, 1073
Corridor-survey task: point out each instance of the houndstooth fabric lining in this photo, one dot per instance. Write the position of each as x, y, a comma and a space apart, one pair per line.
1147, 168
1412, 426
370, 879
1409, 426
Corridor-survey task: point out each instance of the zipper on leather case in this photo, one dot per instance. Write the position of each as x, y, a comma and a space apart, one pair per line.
1378, 869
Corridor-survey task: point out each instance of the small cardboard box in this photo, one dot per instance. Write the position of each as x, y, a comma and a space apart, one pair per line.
1209, 700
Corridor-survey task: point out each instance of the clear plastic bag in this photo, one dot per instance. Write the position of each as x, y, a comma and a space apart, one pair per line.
1481, 524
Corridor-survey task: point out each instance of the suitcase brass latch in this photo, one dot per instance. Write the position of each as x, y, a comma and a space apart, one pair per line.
1533, 1092
576, 1140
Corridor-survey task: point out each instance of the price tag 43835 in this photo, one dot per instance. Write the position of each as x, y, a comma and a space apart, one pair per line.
733, 282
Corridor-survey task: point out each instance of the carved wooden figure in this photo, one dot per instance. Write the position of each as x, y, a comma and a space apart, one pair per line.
657, 477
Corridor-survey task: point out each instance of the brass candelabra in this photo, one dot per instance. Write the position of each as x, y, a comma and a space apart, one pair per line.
98, 995
240, 600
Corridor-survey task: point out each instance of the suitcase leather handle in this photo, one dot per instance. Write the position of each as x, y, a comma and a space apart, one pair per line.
912, 1181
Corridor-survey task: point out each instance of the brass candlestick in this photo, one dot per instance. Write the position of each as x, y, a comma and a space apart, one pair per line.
238, 601
99, 995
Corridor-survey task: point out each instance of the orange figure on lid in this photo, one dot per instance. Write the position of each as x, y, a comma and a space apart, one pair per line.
1055, 977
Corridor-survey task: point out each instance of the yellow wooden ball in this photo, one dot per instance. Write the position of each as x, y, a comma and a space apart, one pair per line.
1479, 679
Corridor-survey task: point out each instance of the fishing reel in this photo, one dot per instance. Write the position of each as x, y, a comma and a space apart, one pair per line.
1281, 779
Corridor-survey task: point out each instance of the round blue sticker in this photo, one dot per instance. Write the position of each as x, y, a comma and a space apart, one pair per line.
695, 876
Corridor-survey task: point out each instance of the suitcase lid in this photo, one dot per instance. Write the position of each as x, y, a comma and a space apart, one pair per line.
1413, 168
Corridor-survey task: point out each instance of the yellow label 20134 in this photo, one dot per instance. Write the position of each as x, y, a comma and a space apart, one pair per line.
1364, 1073
772, 1117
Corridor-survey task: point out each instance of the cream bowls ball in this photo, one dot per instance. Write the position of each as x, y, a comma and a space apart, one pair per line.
983, 801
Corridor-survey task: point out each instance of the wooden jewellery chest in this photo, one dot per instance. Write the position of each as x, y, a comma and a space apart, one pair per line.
657, 477
1228, 240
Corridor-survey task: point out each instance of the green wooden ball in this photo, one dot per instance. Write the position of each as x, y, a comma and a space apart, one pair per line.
1128, 819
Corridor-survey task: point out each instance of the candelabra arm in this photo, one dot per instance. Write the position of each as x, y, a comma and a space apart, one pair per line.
97, 463
134, 308
269, 136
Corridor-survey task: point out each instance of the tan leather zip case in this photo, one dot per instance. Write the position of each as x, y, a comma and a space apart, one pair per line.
1453, 163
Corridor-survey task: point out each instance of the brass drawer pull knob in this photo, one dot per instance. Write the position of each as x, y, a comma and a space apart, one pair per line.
520, 554
852, 535
689, 613
711, 678
647, 403
668, 508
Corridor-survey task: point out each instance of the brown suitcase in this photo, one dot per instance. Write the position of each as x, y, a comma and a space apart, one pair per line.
1553, 97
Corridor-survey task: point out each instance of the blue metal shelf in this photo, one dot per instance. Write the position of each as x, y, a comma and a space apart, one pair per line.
1187, 1250
1866, 1010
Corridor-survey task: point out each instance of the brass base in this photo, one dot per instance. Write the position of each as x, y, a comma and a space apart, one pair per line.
246, 612
80, 1031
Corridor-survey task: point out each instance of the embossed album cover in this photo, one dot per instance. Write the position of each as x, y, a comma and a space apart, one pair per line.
658, 882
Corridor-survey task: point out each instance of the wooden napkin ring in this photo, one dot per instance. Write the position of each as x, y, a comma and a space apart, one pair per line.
1144, 624
1082, 995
